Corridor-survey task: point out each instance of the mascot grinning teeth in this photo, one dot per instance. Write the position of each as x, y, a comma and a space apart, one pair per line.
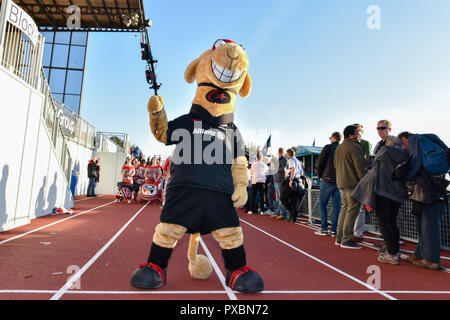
208, 172
224, 74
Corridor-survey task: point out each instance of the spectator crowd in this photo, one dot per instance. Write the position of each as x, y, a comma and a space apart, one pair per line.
359, 182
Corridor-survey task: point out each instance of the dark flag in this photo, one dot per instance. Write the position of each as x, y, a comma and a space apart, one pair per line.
266, 146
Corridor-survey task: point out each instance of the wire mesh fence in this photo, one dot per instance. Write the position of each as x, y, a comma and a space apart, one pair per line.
406, 221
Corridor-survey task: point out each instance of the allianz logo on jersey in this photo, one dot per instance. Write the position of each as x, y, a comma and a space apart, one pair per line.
219, 134
200, 146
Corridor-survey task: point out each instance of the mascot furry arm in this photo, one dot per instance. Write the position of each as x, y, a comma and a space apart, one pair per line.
220, 73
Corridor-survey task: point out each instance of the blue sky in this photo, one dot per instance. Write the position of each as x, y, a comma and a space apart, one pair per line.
316, 67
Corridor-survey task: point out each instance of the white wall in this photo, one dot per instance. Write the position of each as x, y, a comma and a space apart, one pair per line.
80, 158
32, 182
110, 167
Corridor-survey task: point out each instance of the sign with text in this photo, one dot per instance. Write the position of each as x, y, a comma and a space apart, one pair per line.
67, 119
19, 18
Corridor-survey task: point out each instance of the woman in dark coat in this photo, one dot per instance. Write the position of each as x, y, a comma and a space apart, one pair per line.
383, 194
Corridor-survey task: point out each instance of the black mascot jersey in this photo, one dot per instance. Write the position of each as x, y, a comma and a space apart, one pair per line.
205, 149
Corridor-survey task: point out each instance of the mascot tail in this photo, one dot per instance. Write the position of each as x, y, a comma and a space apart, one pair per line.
199, 265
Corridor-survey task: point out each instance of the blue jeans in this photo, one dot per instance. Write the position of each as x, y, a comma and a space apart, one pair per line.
326, 191
91, 187
280, 210
270, 196
429, 227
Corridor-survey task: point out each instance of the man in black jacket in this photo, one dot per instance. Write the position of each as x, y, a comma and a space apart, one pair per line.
278, 178
92, 175
327, 174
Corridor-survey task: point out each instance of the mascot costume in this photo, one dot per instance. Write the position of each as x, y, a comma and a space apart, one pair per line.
209, 172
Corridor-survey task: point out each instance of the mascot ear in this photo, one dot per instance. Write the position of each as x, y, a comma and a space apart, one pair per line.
246, 86
191, 70
189, 74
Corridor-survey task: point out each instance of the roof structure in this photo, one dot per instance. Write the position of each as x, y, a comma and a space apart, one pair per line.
95, 15
307, 151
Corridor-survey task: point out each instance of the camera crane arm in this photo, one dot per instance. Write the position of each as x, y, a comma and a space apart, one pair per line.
146, 55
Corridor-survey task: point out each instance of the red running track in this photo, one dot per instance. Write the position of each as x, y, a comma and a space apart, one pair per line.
91, 254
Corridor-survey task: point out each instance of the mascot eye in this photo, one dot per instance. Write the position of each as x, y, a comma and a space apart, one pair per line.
218, 43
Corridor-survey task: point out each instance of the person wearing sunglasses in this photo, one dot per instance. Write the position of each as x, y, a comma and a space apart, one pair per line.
384, 128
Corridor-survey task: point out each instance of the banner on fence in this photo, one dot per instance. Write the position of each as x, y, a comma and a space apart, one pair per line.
67, 119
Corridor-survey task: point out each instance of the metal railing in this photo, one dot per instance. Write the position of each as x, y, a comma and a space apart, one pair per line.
406, 221
123, 137
84, 132
19, 54
51, 119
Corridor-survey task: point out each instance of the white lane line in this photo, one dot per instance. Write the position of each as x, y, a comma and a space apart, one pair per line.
322, 262
78, 274
27, 291
216, 268
53, 223
154, 292
351, 292
112, 292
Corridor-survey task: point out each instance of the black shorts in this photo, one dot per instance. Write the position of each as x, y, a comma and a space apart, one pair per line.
199, 210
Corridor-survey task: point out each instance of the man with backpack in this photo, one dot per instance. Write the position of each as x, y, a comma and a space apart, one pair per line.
425, 172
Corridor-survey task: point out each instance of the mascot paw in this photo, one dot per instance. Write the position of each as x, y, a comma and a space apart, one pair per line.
155, 104
148, 276
200, 268
239, 197
245, 280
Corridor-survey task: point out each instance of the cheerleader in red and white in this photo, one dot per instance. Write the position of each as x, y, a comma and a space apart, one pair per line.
136, 177
140, 173
153, 175
127, 172
139, 179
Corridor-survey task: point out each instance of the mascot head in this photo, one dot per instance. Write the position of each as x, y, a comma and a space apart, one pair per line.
221, 73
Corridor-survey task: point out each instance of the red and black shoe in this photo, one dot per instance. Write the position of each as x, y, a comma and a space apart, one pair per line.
245, 280
148, 276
